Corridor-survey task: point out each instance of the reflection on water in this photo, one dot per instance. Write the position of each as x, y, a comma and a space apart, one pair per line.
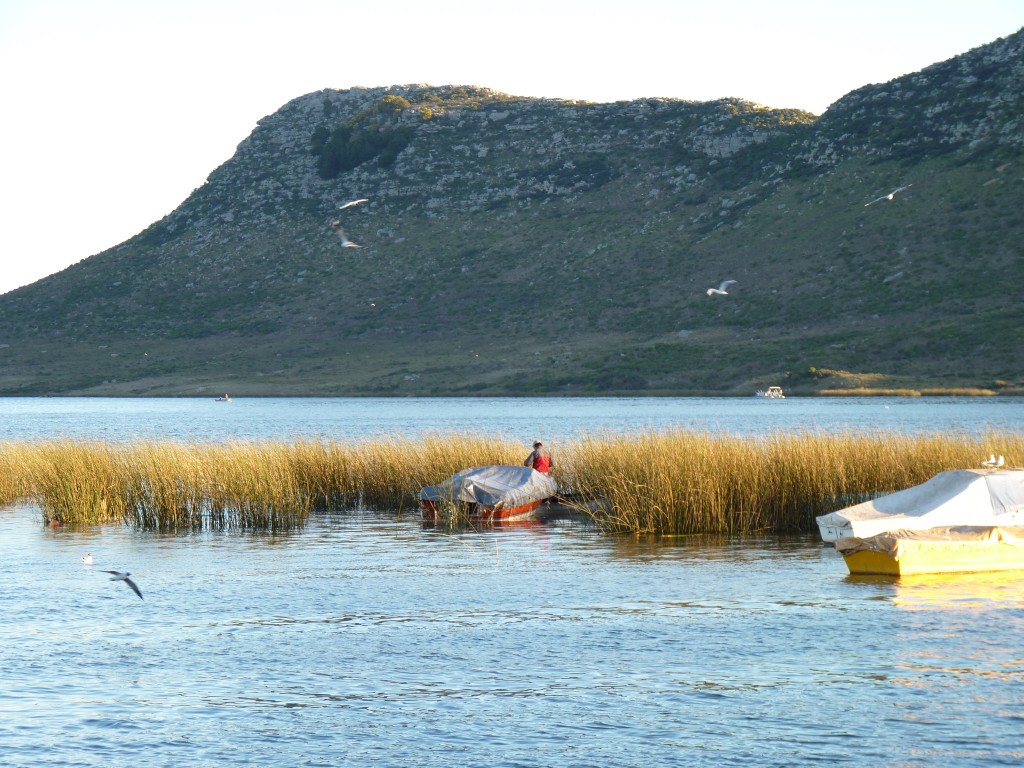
964, 591
368, 640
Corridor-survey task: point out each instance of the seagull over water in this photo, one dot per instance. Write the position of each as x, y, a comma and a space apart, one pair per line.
889, 196
87, 559
119, 576
350, 203
720, 290
345, 242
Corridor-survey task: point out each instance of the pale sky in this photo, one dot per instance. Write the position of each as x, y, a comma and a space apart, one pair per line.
114, 111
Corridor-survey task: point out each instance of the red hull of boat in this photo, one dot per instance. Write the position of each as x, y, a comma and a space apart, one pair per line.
486, 514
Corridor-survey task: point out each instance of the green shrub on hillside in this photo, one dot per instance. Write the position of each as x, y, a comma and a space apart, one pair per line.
370, 133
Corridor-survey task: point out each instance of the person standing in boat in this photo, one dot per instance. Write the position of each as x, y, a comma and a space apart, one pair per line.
539, 459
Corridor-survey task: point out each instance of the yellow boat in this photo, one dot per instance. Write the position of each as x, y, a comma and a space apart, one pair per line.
976, 497
952, 549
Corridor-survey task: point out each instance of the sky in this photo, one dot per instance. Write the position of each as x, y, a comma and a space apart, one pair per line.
114, 111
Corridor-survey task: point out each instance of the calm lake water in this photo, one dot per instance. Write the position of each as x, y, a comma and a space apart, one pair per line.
516, 418
365, 639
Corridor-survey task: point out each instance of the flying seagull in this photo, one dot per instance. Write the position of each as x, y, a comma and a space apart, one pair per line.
889, 196
993, 461
87, 559
350, 203
720, 290
118, 576
345, 242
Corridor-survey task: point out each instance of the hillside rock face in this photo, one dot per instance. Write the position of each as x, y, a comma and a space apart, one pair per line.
477, 151
970, 102
517, 245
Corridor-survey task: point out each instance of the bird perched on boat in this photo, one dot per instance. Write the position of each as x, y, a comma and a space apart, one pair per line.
345, 242
87, 558
119, 576
992, 461
350, 203
889, 196
720, 290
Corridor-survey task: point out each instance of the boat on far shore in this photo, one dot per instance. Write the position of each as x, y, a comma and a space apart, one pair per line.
772, 393
225, 399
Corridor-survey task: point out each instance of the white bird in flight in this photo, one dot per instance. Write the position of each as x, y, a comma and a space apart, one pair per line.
119, 576
992, 461
87, 559
345, 242
720, 290
350, 203
890, 196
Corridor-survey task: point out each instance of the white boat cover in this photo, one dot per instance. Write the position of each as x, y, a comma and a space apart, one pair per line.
497, 485
985, 497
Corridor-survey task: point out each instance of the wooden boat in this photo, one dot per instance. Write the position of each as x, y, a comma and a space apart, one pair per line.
959, 497
489, 493
949, 549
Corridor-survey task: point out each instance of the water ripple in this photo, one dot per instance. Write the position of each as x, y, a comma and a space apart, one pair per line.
368, 641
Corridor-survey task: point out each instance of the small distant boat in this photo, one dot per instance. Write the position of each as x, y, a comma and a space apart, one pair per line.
496, 492
958, 497
773, 393
953, 549
225, 399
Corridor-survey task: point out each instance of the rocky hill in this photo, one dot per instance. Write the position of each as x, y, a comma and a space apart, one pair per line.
514, 245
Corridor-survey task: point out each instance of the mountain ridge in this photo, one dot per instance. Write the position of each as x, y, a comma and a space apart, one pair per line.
528, 246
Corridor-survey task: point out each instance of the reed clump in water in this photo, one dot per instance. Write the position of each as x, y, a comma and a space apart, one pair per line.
389, 472
163, 486
673, 482
684, 482
251, 485
74, 482
15, 481
246, 485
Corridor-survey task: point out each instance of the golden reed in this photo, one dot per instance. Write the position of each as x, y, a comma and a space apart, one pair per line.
674, 482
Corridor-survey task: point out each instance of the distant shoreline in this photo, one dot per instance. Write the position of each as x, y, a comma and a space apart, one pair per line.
822, 393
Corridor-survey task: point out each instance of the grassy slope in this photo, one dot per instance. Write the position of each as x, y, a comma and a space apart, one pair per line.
899, 288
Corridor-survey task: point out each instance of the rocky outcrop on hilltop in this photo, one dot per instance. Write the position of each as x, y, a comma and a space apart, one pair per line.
972, 102
472, 149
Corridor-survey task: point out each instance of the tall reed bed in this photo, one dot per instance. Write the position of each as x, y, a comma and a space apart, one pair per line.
684, 482
15, 482
667, 482
252, 485
75, 482
388, 473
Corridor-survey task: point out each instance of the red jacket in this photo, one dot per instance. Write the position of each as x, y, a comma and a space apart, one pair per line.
539, 461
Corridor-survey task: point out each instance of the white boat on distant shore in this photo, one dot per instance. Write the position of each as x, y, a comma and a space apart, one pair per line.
773, 393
